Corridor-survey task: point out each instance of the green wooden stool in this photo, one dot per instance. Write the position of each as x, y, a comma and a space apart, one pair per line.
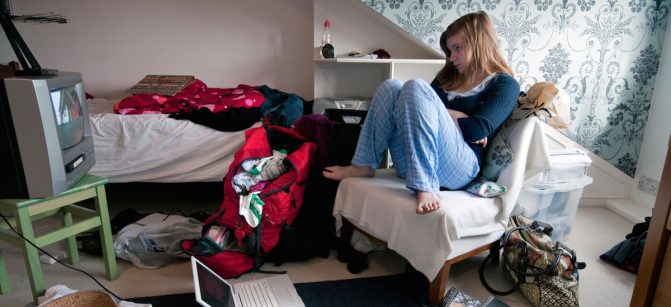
25, 211
5, 287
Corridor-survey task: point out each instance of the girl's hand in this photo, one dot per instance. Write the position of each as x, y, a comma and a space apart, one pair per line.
456, 114
483, 142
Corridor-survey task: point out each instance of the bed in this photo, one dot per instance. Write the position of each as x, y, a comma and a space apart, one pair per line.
156, 148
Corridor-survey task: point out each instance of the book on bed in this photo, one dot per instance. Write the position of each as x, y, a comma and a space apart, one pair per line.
161, 84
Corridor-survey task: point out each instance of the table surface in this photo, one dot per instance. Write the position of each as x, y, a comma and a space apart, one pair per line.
87, 182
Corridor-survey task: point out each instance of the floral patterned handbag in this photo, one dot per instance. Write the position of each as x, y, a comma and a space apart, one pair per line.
545, 271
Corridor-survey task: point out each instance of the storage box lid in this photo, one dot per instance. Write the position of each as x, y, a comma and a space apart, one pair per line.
569, 156
547, 188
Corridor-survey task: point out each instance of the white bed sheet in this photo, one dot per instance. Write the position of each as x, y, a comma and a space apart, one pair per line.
156, 148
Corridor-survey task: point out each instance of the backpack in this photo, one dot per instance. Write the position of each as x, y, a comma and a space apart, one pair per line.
232, 244
547, 102
312, 234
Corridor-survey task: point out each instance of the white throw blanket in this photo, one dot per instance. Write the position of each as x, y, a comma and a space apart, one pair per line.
385, 208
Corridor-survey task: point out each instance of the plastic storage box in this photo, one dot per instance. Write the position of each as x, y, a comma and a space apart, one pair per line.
553, 203
566, 165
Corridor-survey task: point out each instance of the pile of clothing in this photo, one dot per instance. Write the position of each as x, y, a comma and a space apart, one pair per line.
252, 179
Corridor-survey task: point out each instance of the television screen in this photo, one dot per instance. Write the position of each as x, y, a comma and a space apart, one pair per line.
69, 116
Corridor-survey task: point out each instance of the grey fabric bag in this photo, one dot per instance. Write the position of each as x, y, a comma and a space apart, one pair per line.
154, 241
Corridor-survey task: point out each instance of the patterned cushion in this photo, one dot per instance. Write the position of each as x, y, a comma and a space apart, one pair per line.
481, 187
498, 156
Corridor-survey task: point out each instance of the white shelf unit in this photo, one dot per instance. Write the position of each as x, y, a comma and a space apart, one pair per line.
360, 77
357, 77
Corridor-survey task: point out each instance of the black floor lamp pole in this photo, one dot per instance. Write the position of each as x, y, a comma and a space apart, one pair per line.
30, 66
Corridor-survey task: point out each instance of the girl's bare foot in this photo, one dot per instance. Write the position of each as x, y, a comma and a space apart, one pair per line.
338, 172
427, 202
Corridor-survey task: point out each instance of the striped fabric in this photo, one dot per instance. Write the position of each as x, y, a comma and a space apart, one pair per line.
426, 146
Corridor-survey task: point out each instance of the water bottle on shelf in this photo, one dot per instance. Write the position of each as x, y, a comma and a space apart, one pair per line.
327, 50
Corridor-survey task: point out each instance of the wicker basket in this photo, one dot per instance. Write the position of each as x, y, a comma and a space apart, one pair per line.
82, 299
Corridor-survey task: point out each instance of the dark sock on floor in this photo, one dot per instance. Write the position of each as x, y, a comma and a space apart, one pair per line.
345, 252
357, 263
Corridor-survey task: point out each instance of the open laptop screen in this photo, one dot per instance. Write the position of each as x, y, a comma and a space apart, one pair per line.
211, 290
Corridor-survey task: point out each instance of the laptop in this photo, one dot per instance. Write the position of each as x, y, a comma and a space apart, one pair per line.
214, 291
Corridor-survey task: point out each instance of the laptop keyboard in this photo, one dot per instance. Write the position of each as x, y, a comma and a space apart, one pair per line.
256, 294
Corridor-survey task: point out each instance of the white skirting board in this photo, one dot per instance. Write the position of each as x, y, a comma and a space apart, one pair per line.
628, 209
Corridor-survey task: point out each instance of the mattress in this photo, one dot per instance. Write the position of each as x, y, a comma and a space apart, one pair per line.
156, 148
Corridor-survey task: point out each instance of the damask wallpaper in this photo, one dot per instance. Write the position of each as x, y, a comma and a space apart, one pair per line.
604, 53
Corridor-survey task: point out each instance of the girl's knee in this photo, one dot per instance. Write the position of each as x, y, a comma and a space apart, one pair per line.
419, 93
417, 86
390, 85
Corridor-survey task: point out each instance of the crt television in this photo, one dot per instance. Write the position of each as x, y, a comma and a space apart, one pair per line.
45, 136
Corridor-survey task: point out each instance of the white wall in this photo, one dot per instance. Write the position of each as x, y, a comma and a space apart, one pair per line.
222, 42
656, 139
356, 27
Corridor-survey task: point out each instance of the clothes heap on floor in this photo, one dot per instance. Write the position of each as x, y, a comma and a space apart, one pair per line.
289, 169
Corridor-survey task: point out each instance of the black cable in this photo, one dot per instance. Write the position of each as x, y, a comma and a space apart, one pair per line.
40, 18
172, 212
57, 260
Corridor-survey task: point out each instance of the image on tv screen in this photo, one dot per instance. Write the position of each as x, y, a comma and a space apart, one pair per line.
69, 116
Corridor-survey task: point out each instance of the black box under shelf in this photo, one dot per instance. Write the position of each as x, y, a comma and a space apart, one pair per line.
346, 128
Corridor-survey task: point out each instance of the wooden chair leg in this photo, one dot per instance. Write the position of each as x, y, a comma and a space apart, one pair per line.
438, 285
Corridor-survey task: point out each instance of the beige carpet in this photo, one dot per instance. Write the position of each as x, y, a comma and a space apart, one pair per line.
595, 230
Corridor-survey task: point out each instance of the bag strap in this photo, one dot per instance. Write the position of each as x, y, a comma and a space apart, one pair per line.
542, 227
522, 264
547, 229
255, 240
574, 260
522, 269
481, 273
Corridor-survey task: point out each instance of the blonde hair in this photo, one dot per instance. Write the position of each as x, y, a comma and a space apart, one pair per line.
479, 38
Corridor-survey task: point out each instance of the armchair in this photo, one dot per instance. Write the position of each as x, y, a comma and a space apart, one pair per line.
466, 225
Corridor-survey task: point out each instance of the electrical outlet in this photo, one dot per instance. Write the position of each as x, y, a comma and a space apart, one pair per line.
648, 185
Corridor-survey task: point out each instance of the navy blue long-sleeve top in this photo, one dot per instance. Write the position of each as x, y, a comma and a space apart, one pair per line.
486, 110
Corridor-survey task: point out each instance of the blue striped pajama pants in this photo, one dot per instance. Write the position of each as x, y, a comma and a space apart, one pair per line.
425, 144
